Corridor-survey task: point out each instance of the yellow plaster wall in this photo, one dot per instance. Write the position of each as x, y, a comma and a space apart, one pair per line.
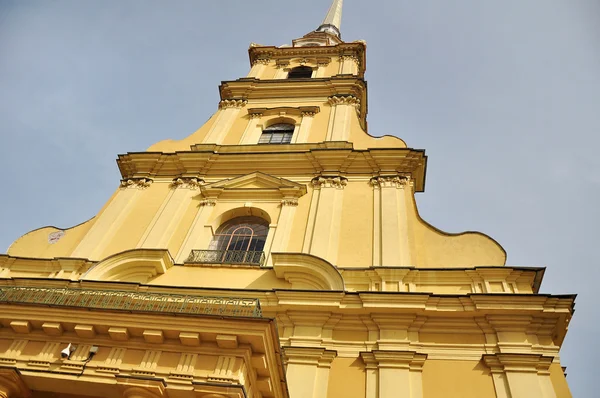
559, 381
356, 232
300, 222
221, 277
137, 220
184, 144
184, 225
457, 379
35, 243
346, 378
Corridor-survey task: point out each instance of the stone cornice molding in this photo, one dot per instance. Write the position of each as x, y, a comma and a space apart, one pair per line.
137, 183
232, 103
192, 183
356, 49
255, 185
395, 181
283, 111
329, 182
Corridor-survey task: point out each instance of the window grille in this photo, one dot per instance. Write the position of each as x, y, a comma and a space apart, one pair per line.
280, 133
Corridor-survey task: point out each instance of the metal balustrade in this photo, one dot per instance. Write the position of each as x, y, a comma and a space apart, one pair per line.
226, 257
131, 301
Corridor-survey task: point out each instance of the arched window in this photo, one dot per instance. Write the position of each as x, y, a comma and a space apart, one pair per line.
300, 72
280, 133
240, 241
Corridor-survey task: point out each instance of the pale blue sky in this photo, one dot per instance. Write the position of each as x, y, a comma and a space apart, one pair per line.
503, 95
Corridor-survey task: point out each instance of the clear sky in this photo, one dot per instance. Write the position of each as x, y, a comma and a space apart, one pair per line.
503, 95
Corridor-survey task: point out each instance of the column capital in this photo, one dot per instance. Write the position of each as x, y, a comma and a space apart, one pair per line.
392, 181
262, 61
11, 384
533, 363
208, 202
329, 182
309, 356
394, 359
192, 183
232, 103
138, 183
344, 100
289, 202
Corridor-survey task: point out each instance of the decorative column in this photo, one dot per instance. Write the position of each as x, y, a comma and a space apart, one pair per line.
227, 113
308, 115
258, 67
392, 230
111, 219
253, 130
323, 229
167, 219
348, 65
308, 371
393, 374
11, 384
521, 375
342, 109
199, 234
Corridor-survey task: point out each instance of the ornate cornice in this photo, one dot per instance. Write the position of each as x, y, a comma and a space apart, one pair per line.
192, 183
329, 182
397, 181
351, 57
344, 100
232, 103
139, 183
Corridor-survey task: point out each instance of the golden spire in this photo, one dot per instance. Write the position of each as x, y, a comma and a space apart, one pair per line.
333, 20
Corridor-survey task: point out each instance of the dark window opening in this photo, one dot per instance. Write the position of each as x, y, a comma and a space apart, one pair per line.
300, 72
280, 133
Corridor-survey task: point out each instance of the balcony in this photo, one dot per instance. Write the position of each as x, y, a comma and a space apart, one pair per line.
227, 257
131, 301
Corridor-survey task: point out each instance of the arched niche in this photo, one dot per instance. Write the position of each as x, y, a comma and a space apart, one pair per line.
137, 265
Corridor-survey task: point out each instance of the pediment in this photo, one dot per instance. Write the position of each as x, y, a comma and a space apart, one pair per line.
254, 184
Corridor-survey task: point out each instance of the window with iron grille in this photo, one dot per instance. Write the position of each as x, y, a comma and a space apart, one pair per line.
280, 133
241, 233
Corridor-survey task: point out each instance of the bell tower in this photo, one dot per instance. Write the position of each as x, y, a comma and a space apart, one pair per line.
278, 252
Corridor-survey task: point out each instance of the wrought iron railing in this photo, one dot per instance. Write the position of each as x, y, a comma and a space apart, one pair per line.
131, 301
226, 257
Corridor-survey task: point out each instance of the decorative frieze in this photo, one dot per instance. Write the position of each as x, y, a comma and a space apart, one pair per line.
138, 183
289, 202
329, 182
192, 183
397, 181
232, 103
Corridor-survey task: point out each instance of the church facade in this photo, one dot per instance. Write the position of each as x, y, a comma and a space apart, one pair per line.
276, 252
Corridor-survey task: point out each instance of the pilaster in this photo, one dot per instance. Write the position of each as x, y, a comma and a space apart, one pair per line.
305, 125
227, 113
258, 67
111, 219
199, 234
323, 229
284, 224
167, 219
393, 374
253, 129
391, 226
521, 375
348, 65
308, 371
342, 109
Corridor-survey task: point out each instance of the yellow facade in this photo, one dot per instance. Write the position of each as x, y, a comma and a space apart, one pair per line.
349, 294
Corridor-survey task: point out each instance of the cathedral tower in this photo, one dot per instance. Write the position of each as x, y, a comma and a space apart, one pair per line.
276, 252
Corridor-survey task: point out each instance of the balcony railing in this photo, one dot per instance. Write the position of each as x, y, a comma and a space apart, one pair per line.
226, 257
131, 301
